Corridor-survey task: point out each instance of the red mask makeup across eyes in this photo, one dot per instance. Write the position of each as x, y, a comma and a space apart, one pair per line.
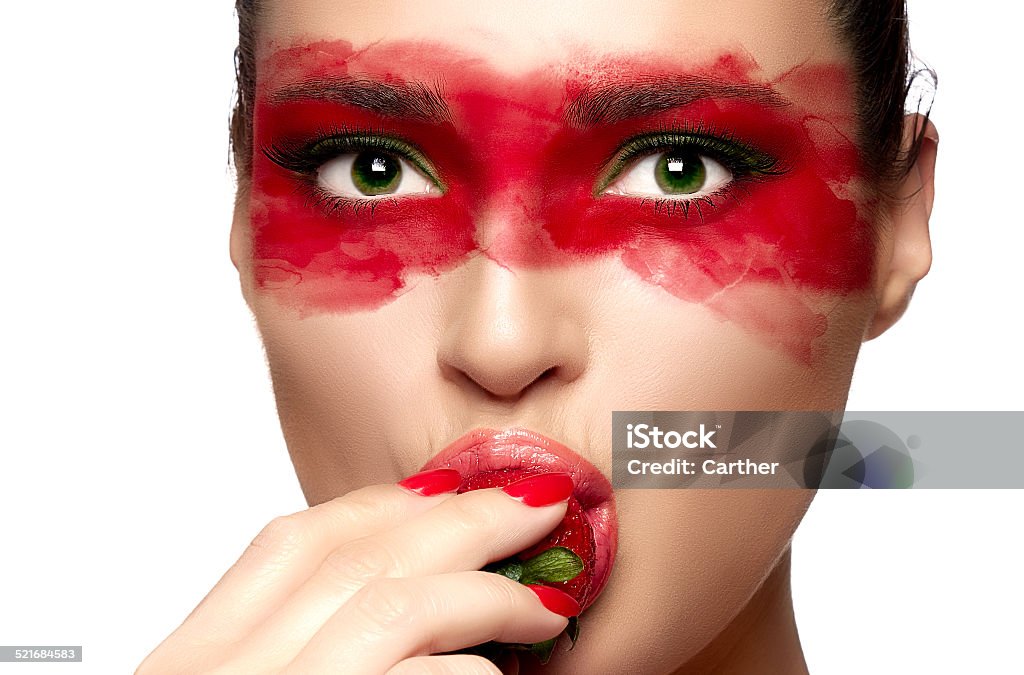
523, 169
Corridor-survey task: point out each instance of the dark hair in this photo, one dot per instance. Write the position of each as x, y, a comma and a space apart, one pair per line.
878, 38
876, 35
245, 88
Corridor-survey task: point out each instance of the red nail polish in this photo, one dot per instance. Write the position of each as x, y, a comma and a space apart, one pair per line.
556, 601
433, 482
542, 489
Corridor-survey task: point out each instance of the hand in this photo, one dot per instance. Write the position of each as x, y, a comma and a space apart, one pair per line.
378, 581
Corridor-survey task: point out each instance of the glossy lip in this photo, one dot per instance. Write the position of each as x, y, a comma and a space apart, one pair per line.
482, 450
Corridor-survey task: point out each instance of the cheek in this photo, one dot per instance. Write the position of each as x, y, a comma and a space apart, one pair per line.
697, 557
661, 353
339, 380
782, 260
316, 263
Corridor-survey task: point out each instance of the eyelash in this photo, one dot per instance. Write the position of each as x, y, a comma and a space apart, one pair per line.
306, 158
745, 162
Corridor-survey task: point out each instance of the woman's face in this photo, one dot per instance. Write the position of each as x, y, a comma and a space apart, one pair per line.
550, 215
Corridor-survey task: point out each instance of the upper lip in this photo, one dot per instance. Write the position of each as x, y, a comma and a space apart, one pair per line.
521, 448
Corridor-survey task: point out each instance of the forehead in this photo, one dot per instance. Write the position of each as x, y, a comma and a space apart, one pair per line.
521, 36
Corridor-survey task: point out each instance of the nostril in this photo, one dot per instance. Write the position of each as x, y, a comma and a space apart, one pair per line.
499, 385
549, 373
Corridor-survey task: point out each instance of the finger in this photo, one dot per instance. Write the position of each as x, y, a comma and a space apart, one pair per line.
450, 664
465, 533
390, 620
290, 549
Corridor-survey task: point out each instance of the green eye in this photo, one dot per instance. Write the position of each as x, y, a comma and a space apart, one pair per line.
676, 174
367, 173
680, 173
360, 166
680, 166
376, 173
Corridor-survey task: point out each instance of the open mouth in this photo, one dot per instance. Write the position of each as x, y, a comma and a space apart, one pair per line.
490, 458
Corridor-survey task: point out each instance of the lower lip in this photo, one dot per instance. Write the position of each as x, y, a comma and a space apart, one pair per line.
488, 450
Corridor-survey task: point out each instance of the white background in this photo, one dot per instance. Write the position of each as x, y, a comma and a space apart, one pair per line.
140, 446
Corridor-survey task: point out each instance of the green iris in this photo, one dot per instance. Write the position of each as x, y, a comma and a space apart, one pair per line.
376, 173
680, 173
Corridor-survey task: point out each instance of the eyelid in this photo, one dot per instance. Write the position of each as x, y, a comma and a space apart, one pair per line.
741, 159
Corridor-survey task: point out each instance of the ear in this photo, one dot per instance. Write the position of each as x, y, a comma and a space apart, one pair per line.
240, 244
909, 245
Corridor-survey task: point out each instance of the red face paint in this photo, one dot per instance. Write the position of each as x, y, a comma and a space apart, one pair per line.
520, 180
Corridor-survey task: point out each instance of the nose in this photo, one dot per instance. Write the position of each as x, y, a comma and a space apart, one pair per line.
511, 331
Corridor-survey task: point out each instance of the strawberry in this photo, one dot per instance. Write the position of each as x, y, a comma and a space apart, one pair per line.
573, 533
564, 560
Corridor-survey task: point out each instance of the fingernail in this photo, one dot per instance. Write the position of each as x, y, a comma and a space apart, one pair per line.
542, 489
556, 601
433, 482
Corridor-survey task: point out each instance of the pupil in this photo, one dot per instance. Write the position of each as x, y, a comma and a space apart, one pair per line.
376, 173
680, 173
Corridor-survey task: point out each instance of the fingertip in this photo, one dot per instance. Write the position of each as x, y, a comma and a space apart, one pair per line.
556, 601
542, 489
432, 482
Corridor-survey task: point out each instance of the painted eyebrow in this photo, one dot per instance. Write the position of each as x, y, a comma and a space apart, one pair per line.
415, 100
601, 104
616, 102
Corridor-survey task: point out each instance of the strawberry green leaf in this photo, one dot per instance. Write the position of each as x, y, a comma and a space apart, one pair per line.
507, 568
543, 650
553, 565
573, 630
